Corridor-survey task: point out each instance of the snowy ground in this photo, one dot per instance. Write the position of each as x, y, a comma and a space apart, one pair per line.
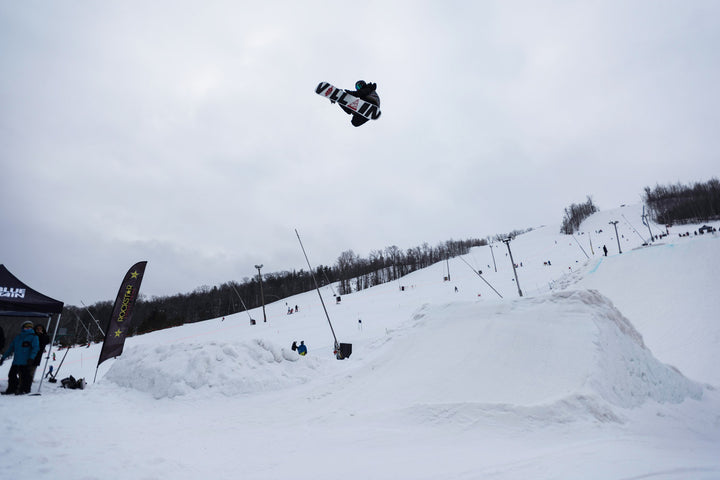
606, 368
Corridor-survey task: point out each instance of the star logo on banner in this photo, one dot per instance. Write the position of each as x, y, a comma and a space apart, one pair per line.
134, 274
118, 333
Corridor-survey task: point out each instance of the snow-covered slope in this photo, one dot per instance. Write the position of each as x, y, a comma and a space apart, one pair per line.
584, 376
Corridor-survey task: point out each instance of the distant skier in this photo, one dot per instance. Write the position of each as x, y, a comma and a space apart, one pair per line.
364, 91
302, 349
294, 346
605, 250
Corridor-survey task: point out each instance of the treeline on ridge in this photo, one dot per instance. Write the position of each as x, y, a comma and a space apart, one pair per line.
351, 272
679, 203
575, 214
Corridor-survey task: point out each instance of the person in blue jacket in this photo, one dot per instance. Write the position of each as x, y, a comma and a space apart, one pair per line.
302, 349
24, 348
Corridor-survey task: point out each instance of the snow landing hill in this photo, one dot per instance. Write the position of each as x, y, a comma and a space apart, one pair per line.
606, 367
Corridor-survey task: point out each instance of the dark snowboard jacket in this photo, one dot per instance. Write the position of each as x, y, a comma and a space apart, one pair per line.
43, 339
367, 93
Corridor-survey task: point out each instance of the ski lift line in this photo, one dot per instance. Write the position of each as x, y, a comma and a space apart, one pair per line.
91, 316
631, 226
241, 300
329, 282
581, 248
317, 287
481, 277
646, 221
83, 325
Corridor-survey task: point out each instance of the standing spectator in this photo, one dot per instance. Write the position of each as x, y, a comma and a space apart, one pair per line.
302, 349
44, 339
23, 348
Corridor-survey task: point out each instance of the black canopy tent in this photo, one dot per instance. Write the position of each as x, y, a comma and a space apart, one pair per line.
19, 300
15, 296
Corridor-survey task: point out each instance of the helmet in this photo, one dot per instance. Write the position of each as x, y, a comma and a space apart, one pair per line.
27, 324
360, 84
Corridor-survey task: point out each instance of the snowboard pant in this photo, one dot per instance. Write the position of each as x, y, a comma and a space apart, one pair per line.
19, 379
33, 369
357, 120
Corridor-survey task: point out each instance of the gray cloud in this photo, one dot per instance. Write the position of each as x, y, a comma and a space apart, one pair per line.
189, 135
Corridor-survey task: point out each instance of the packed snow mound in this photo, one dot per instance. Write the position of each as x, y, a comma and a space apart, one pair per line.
215, 367
554, 355
627, 374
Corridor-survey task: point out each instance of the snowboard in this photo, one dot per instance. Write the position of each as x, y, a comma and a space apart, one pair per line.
357, 105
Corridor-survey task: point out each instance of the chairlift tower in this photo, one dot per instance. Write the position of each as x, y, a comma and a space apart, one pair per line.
646, 222
617, 237
507, 242
262, 297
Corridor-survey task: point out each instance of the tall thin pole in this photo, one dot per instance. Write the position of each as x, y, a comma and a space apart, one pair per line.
646, 221
89, 335
317, 287
91, 316
617, 237
241, 301
447, 262
262, 297
507, 242
47, 359
493, 257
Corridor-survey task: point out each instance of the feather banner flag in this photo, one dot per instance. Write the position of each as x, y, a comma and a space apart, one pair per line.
121, 318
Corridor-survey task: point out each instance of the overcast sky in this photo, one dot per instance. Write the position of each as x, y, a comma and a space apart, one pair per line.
188, 133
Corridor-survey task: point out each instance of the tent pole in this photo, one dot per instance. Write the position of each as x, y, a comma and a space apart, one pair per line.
47, 359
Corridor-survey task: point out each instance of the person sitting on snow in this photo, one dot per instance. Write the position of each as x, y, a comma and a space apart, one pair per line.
302, 349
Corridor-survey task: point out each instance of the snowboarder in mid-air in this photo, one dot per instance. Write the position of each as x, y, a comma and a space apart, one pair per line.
364, 91
363, 103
